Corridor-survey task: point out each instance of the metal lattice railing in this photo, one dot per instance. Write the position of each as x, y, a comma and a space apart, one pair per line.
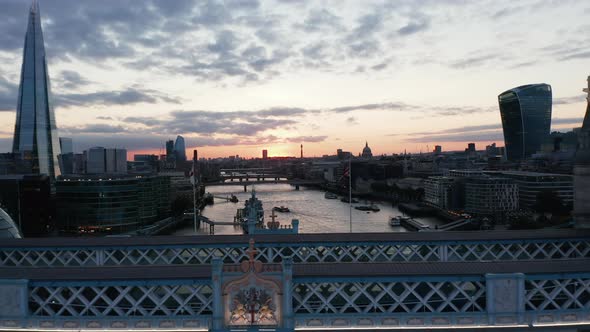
557, 294
389, 297
121, 300
300, 253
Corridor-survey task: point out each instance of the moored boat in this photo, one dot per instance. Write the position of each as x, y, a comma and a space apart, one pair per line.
281, 209
330, 195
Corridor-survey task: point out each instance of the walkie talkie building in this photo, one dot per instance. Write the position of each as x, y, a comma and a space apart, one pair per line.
35, 133
526, 119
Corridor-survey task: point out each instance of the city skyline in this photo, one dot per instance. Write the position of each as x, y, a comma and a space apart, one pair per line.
239, 76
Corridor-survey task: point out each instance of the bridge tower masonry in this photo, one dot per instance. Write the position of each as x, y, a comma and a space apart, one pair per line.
582, 171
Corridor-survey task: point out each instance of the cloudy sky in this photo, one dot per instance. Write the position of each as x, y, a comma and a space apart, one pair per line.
237, 76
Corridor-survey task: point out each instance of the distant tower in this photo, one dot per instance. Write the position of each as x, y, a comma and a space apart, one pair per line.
367, 153
301, 151
35, 131
526, 119
180, 149
582, 171
264, 154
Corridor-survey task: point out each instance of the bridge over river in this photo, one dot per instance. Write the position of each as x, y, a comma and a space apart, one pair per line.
508, 280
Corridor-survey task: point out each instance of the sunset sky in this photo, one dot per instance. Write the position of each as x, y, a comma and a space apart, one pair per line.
239, 76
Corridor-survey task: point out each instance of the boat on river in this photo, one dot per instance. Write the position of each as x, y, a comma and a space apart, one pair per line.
371, 207
281, 209
329, 195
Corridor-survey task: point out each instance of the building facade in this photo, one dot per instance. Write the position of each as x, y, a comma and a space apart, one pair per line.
180, 149
106, 161
111, 205
490, 196
531, 184
35, 131
526, 119
443, 192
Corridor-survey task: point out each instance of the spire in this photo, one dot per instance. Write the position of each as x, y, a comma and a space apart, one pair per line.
366, 144
35, 133
34, 7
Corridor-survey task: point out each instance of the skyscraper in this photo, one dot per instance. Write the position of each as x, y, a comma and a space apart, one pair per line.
582, 171
66, 145
526, 119
180, 149
35, 132
169, 148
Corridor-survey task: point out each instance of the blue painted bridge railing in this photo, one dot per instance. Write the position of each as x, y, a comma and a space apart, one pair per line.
288, 296
301, 248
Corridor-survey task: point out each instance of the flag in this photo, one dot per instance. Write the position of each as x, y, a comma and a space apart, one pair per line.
345, 174
192, 175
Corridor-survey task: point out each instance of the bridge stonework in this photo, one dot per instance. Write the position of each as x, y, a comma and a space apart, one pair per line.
244, 285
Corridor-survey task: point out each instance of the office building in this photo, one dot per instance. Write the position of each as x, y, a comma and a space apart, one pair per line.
582, 171
531, 184
443, 192
35, 131
111, 204
106, 161
437, 149
180, 149
264, 154
169, 149
66, 145
526, 119
490, 196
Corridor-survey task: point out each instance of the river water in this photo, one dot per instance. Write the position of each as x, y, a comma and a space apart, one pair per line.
316, 214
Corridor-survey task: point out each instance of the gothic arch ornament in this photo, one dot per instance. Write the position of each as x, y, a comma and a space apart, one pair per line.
253, 297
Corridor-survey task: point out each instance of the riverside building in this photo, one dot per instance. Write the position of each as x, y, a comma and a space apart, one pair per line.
111, 204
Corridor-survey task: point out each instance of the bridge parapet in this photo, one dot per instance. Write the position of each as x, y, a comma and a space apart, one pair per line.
286, 297
301, 248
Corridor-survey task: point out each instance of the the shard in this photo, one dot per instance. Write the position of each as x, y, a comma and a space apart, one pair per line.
35, 133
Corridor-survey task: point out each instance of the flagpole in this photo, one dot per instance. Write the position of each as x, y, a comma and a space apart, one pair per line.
194, 182
194, 201
350, 191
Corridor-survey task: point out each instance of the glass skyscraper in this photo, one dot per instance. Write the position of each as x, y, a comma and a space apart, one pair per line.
526, 119
180, 149
35, 133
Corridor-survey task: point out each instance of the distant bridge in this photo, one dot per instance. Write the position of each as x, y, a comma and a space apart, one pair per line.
255, 181
387, 281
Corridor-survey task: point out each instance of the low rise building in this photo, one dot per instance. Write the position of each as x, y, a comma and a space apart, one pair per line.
531, 184
490, 196
443, 192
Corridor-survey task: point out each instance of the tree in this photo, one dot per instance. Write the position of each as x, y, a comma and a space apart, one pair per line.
549, 202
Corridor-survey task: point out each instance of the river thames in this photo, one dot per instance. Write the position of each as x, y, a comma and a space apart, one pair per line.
316, 214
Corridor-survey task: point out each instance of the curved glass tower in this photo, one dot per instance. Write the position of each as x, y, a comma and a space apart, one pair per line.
180, 149
35, 133
526, 119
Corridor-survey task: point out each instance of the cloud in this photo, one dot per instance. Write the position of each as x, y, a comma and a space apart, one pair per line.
94, 128
473, 61
128, 96
71, 80
351, 121
8, 95
568, 100
306, 139
414, 27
